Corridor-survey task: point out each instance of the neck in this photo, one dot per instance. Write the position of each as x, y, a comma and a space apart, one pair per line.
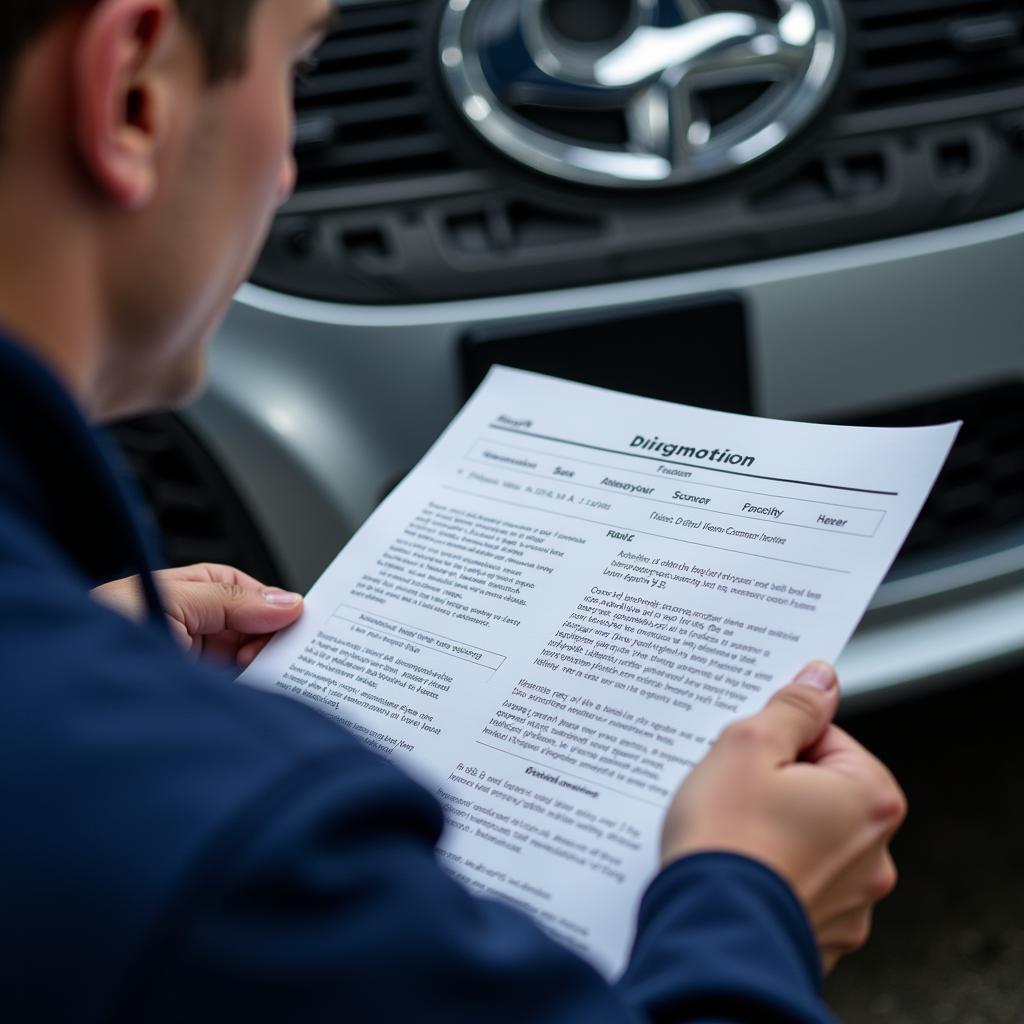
48, 283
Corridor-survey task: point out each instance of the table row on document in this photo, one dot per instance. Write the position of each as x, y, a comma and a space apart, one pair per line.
690, 491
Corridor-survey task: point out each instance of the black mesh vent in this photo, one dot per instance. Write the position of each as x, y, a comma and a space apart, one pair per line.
365, 115
980, 493
909, 51
195, 510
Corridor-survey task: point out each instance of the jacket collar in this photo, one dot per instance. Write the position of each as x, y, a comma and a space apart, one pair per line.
63, 474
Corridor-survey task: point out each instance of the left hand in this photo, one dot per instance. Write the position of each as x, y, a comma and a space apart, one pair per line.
214, 610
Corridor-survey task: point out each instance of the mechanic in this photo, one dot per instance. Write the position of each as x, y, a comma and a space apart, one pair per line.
178, 848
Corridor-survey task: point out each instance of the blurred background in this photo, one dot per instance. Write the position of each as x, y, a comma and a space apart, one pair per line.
949, 943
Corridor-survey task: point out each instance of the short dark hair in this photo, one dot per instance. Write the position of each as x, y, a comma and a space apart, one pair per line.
220, 26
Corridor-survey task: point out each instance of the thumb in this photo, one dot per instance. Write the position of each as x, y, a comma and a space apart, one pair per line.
205, 609
798, 715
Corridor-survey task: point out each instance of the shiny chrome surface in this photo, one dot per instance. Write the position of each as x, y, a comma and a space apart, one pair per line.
497, 53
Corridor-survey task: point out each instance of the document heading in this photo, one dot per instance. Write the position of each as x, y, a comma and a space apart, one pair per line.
655, 444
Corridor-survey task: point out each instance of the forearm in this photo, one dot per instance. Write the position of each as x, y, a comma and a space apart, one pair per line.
723, 939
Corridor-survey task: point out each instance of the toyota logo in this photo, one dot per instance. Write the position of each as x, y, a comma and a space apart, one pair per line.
640, 93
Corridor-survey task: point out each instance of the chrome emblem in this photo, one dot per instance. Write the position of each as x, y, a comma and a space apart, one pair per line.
640, 93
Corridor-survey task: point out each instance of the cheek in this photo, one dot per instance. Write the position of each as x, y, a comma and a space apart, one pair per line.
264, 152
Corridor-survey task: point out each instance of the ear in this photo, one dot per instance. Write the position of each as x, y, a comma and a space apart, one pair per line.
120, 97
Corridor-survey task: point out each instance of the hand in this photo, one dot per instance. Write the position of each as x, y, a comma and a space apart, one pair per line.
214, 610
788, 788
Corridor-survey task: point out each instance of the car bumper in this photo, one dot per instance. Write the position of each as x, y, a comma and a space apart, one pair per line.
316, 409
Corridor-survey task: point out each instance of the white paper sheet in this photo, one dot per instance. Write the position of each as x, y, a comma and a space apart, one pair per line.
550, 620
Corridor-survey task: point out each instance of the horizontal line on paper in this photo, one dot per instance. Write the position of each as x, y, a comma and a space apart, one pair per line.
561, 771
645, 533
692, 465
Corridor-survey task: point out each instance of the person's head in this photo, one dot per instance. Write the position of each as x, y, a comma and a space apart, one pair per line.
144, 145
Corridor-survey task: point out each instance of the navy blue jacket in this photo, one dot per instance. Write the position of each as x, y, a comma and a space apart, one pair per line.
179, 848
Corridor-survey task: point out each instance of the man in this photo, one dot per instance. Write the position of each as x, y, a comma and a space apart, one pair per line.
177, 848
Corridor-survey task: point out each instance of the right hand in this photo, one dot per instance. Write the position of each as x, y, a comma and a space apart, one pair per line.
788, 788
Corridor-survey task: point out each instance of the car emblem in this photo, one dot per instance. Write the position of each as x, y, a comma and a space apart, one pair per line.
640, 93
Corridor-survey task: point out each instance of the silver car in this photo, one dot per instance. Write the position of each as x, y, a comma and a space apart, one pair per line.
805, 209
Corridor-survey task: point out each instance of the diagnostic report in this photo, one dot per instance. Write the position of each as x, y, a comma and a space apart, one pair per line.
555, 614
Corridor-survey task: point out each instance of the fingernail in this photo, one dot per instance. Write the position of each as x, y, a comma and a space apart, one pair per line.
818, 674
281, 598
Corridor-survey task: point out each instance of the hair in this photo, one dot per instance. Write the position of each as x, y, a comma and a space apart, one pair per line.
220, 26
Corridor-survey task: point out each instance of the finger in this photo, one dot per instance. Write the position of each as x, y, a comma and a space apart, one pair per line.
126, 597
848, 933
883, 880
210, 608
840, 752
209, 572
180, 633
797, 716
829, 960
867, 881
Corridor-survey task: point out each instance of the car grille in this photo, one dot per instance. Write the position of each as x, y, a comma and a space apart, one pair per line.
399, 201
370, 111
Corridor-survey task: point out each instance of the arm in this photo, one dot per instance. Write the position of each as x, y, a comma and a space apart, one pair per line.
329, 907
325, 903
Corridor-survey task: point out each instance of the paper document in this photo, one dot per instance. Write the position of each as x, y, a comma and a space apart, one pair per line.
555, 614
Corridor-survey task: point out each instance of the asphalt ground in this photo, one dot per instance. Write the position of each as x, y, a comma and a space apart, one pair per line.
948, 945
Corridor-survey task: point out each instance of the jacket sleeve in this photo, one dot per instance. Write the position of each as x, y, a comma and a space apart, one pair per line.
722, 938
324, 902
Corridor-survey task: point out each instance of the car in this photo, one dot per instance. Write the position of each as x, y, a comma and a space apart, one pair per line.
804, 209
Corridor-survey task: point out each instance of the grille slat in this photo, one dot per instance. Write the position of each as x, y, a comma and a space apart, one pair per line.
350, 87
380, 46
372, 18
377, 110
889, 12
367, 156
938, 78
911, 51
931, 34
